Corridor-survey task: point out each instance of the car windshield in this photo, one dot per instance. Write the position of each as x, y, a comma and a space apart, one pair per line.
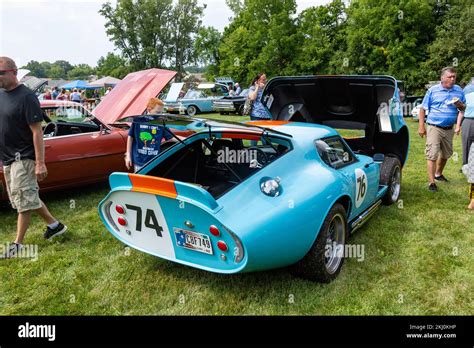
193, 94
75, 113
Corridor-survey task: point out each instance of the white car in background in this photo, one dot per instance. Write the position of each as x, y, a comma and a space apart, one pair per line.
416, 109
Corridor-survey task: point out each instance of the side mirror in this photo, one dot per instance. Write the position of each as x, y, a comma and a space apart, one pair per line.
103, 130
379, 158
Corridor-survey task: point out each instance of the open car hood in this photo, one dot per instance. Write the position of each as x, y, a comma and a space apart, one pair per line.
34, 83
131, 95
354, 100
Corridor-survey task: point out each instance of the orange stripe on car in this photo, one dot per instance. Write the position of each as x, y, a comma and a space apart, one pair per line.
153, 185
268, 123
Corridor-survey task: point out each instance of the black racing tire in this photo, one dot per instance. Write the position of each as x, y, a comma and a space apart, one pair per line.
192, 110
317, 265
391, 176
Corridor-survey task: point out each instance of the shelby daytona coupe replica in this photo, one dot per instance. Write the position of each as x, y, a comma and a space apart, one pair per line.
247, 197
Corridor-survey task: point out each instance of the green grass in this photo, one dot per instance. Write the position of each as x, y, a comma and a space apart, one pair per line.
418, 261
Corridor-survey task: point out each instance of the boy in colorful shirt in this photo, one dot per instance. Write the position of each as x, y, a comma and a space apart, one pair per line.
144, 139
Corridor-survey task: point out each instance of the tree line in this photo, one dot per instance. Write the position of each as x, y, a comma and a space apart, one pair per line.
409, 39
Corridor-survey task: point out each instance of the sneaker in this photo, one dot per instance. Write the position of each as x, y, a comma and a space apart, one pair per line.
433, 188
13, 250
53, 232
441, 178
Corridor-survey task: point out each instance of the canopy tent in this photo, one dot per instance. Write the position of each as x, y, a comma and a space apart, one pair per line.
107, 81
79, 84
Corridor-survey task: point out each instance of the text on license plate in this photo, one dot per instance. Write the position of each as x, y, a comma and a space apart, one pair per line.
193, 241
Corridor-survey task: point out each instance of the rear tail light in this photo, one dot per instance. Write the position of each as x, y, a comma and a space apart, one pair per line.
119, 209
222, 245
214, 231
121, 220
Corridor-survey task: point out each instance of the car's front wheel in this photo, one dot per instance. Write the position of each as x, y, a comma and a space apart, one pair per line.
324, 260
192, 110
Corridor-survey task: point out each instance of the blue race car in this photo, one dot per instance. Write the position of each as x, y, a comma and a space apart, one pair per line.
248, 197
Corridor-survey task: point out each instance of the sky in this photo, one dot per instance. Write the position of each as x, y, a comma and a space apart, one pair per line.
73, 30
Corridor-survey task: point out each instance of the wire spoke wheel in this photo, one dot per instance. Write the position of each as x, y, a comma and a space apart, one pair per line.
335, 244
396, 184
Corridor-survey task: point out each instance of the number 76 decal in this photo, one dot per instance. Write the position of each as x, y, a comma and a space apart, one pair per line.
361, 187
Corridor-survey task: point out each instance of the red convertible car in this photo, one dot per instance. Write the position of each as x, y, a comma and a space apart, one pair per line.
82, 147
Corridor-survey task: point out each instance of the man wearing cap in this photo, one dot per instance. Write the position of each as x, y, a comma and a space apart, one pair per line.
445, 104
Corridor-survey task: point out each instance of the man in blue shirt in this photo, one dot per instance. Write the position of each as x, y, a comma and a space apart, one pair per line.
468, 122
445, 104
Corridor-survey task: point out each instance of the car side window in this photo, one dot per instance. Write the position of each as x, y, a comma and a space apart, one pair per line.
334, 152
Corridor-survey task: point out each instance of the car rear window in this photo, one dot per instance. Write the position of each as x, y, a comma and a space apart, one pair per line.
334, 152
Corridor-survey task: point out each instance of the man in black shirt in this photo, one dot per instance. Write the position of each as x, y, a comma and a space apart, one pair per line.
22, 153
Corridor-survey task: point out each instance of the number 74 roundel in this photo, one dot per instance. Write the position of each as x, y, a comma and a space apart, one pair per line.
144, 223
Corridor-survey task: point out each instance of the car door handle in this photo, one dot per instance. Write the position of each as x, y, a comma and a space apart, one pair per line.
47, 146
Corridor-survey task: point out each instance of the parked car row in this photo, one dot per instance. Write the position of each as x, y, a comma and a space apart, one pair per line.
83, 147
302, 186
204, 98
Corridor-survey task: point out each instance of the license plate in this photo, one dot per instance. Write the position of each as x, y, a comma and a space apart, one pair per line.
193, 241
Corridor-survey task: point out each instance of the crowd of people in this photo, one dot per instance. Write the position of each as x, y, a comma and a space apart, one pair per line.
75, 95
447, 108
445, 112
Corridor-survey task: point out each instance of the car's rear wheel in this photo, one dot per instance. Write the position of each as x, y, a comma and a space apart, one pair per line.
391, 176
324, 260
192, 110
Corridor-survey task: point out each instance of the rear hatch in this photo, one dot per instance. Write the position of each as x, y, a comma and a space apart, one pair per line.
325, 99
368, 103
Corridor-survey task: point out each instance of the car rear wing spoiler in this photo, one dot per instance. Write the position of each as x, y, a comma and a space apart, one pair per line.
184, 192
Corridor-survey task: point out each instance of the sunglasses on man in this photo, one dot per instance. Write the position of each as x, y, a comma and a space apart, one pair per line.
3, 72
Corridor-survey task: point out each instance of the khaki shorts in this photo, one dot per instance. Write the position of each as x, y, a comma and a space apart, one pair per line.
22, 185
438, 142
